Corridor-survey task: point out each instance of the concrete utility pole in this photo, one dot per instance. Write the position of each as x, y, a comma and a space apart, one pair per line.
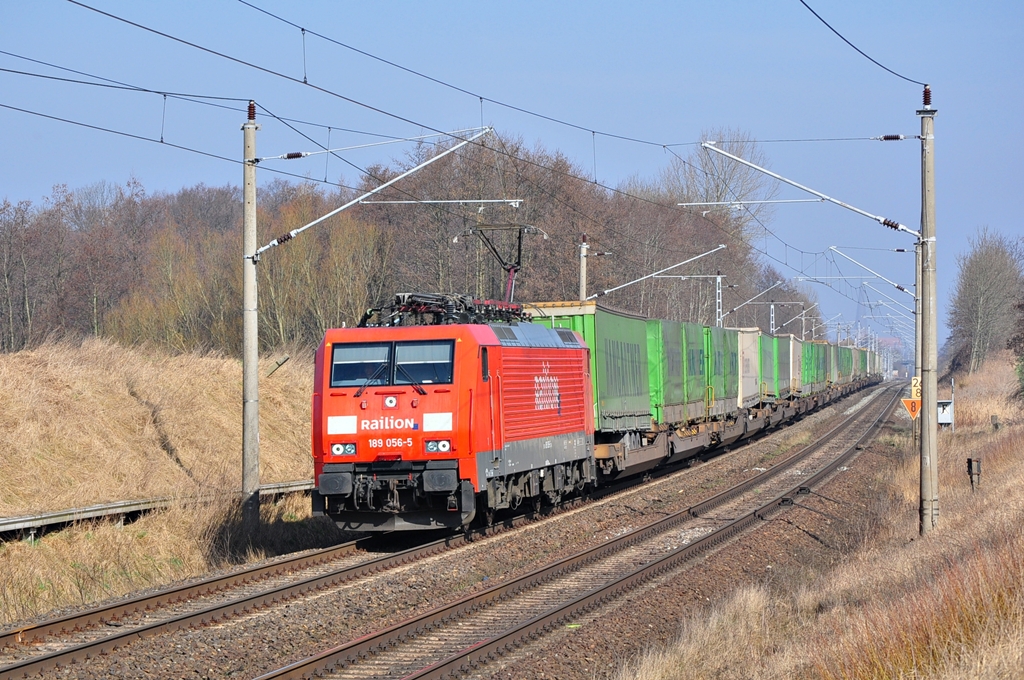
583, 268
250, 337
915, 425
929, 309
718, 300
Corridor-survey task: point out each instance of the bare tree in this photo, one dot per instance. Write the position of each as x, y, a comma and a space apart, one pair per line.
989, 284
706, 177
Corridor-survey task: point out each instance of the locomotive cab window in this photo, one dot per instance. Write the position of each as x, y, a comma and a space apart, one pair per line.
423, 362
356, 365
392, 363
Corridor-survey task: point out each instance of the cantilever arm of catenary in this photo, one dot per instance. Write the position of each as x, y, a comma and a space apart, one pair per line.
802, 313
892, 224
295, 232
774, 285
661, 271
889, 281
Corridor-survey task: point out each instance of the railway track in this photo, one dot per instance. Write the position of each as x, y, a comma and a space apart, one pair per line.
37, 648
59, 643
453, 639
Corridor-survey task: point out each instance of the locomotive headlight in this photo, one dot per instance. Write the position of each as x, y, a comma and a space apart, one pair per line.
439, 446
343, 449
444, 445
431, 447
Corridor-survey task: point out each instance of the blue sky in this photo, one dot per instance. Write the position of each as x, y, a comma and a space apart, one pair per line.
656, 71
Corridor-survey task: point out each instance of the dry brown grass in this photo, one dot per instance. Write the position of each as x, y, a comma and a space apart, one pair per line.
94, 422
950, 606
99, 560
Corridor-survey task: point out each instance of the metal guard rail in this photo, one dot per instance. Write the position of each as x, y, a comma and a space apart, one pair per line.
31, 523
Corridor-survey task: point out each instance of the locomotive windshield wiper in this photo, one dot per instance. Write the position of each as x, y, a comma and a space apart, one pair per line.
373, 376
412, 381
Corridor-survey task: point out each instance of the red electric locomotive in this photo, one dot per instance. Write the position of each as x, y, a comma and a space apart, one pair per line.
425, 426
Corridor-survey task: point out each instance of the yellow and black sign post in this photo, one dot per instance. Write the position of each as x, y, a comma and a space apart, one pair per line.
913, 405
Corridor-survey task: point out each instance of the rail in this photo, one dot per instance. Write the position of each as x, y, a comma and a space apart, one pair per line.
228, 605
432, 624
31, 524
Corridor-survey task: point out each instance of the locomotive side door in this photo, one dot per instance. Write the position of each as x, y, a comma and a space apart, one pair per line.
489, 425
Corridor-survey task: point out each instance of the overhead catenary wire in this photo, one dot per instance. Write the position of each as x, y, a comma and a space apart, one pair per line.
252, 65
276, 171
303, 154
404, 119
818, 255
343, 97
265, 70
330, 153
110, 83
181, 147
191, 97
860, 51
481, 98
188, 149
113, 84
140, 137
438, 81
512, 107
135, 88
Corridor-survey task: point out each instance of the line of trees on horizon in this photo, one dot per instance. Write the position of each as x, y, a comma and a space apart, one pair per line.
116, 262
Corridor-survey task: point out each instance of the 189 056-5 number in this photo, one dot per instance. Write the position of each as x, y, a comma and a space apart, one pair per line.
389, 442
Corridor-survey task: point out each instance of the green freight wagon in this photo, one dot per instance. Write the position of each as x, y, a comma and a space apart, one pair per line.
768, 379
855, 372
665, 370
815, 367
618, 360
831, 365
676, 371
796, 353
695, 372
844, 370
722, 366
776, 366
749, 393
860, 364
783, 369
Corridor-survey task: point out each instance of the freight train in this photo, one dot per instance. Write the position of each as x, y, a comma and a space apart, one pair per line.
449, 409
